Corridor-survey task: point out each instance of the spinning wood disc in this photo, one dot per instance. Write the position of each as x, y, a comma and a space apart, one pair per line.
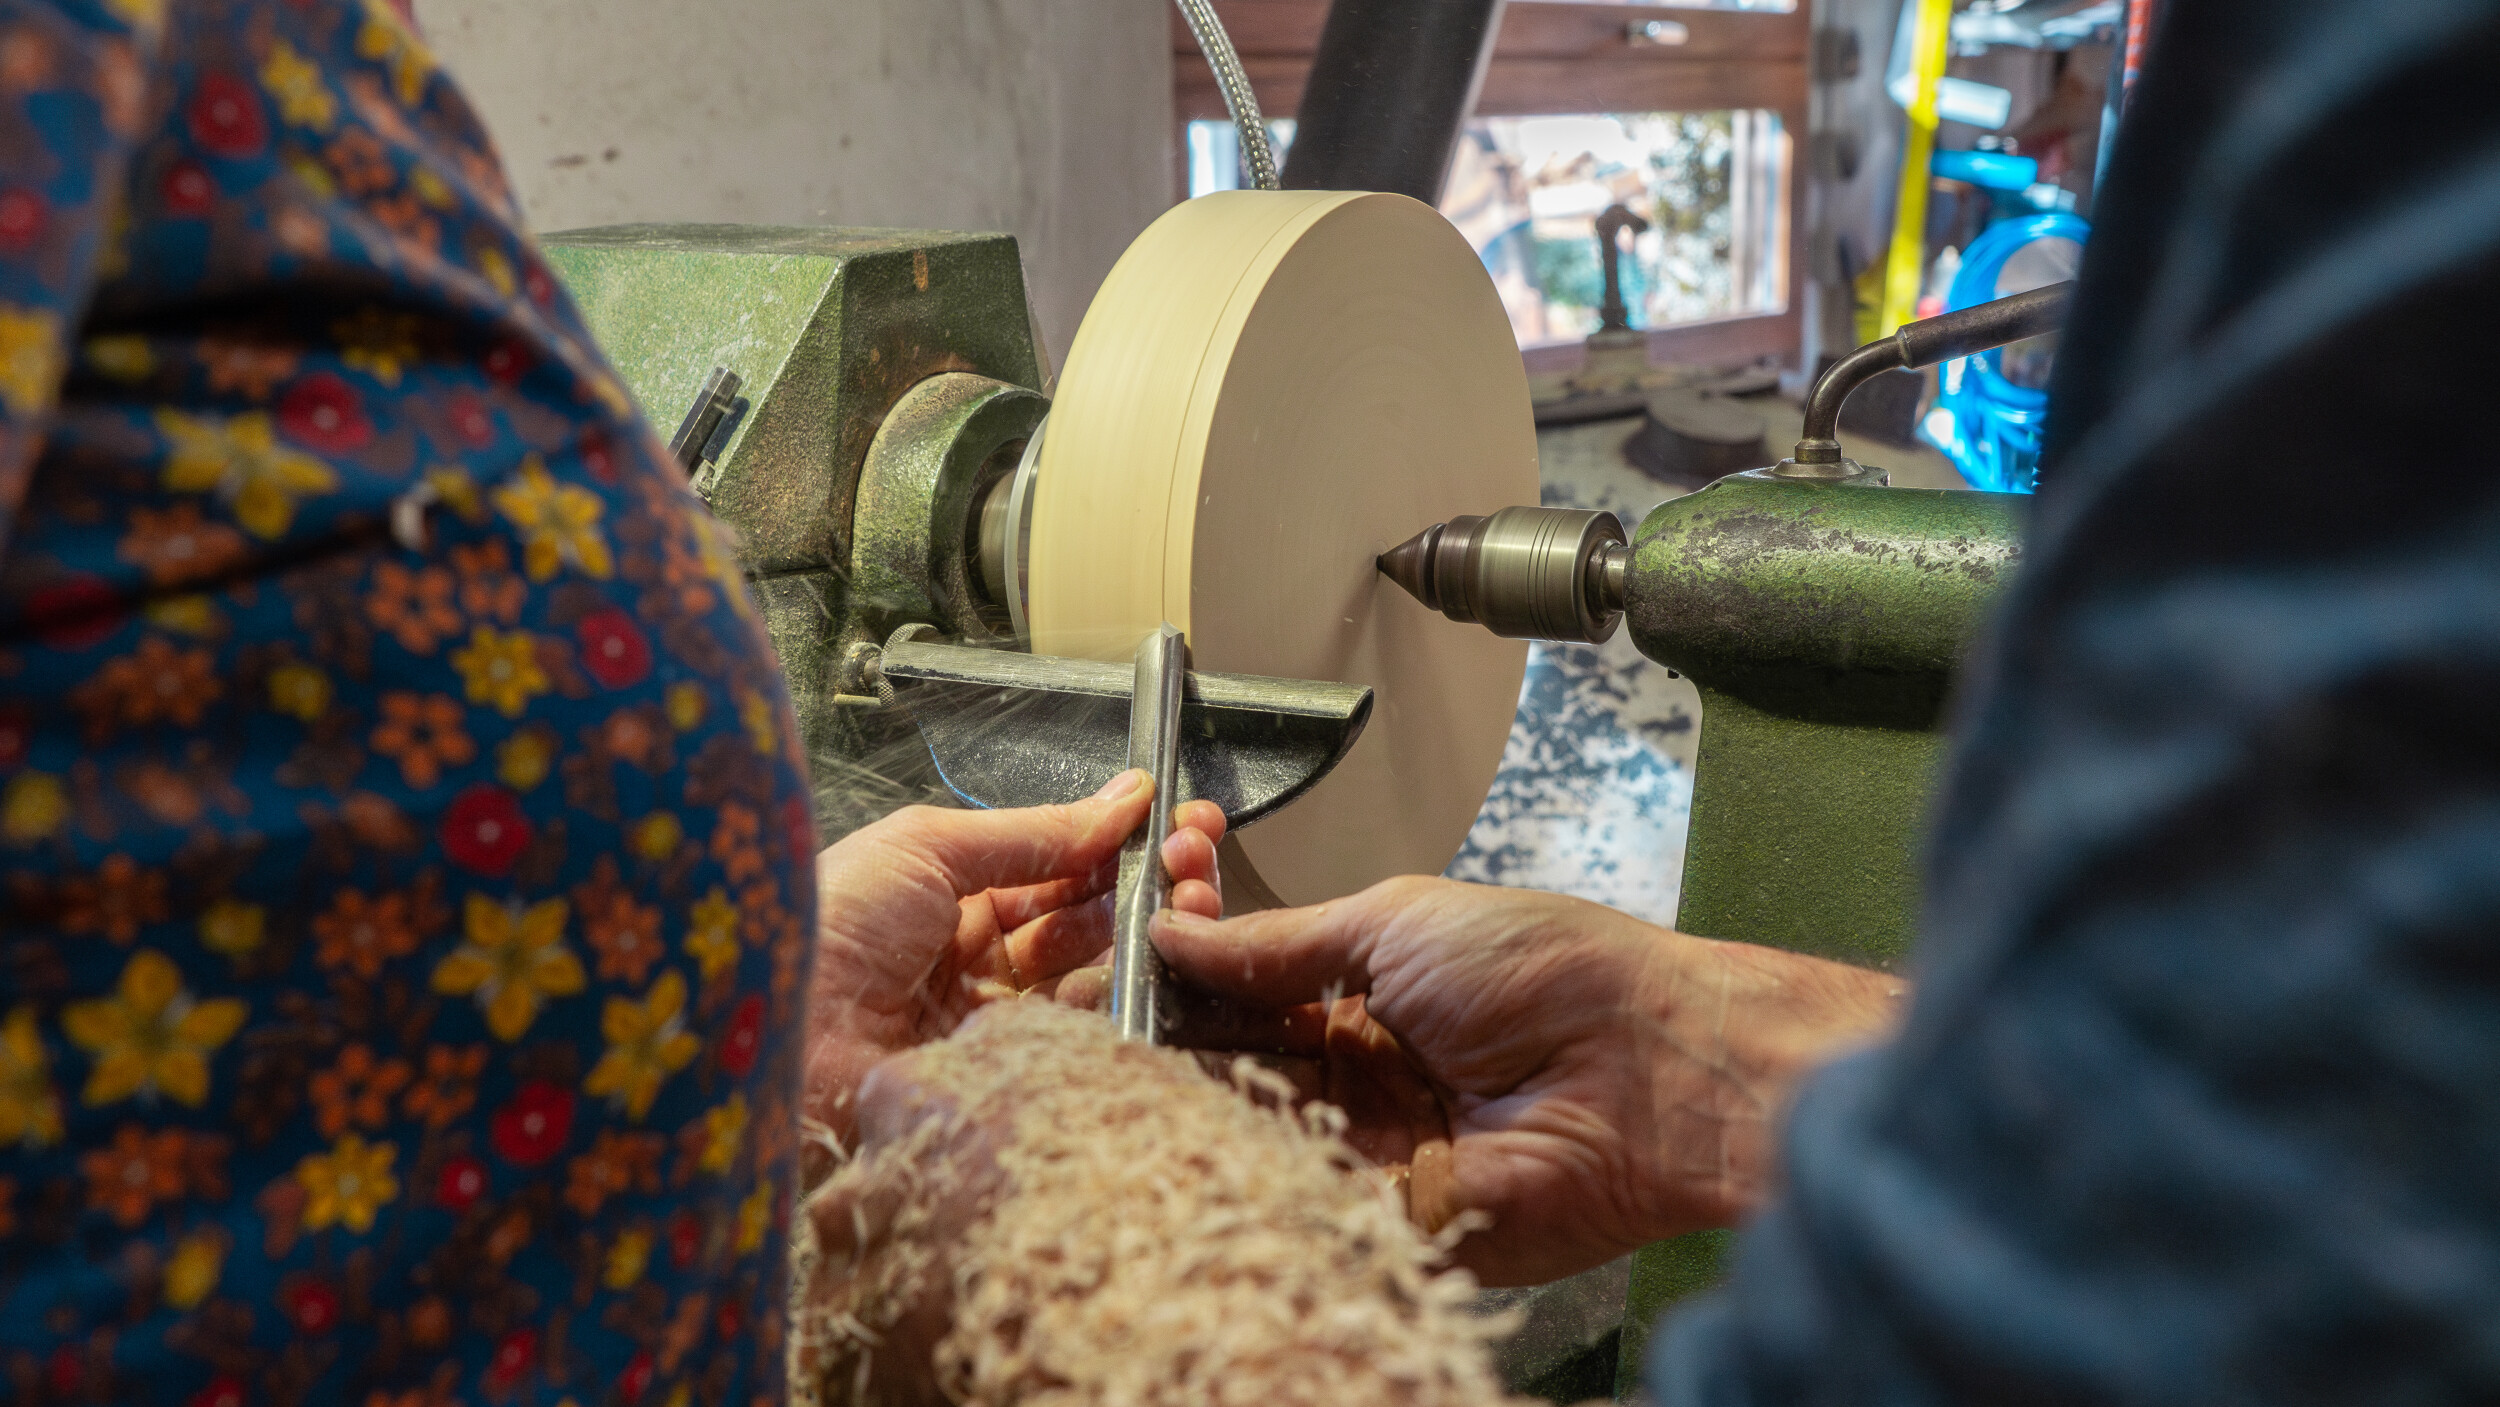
1272, 389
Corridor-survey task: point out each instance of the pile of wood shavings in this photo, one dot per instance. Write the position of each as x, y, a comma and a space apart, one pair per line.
1152, 1237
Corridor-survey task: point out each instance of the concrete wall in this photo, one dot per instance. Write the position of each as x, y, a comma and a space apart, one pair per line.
1050, 119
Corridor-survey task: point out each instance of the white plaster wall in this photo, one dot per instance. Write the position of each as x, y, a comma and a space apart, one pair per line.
1049, 119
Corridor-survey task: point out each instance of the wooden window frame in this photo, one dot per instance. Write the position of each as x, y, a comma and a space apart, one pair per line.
1564, 58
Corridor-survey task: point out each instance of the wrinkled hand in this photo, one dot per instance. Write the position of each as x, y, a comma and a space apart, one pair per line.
930, 913
1588, 1081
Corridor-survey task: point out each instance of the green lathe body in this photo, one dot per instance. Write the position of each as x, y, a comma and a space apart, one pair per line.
1823, 623
829, 330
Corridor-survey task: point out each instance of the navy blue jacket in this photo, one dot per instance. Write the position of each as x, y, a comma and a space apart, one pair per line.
2199, 1098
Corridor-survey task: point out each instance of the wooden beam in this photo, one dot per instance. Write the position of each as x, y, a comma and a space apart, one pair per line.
1525, 87
1291, 29
1719, 342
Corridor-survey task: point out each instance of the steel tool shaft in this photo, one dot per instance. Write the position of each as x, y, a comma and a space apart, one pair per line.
1138, 979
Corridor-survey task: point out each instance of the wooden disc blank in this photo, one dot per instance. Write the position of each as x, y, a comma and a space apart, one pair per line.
1272, 389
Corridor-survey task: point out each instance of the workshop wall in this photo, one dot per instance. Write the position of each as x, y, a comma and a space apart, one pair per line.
1051, 119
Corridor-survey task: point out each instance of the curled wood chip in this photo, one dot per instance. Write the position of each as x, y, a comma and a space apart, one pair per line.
1118, 1230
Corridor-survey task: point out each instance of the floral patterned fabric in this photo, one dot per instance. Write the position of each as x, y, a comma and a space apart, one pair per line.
403, 852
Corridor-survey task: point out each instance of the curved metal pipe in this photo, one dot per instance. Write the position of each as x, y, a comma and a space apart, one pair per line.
1239, 100
1921, 344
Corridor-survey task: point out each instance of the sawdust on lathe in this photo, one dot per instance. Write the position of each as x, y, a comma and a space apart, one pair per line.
1158, 1238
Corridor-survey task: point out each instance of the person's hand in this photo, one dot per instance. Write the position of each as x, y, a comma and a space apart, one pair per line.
929, 913
1587, 1081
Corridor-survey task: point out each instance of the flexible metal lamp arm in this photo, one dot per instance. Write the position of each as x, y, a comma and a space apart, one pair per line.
1921, 344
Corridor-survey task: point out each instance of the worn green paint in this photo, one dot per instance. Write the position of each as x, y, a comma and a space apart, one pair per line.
1823, 623
913, 557
828, 328
1663, 1273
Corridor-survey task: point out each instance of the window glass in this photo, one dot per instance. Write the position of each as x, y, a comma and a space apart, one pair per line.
1527, 191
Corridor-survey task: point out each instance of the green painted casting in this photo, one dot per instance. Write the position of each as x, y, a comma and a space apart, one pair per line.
1823, 623
828, 329
913, 559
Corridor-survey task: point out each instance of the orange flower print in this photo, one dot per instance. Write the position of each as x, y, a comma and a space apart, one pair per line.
617, 1163
734, 843
626, 935
760, 912
422, 733
636, 735
178, 545
448, 1087
489, 588
116, 901
414, 606
356, 1091
361, 934
169, 797
135, 1173
252, 368
357, 158
157, 683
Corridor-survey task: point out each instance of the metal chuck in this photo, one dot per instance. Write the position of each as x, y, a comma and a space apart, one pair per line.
1522, 573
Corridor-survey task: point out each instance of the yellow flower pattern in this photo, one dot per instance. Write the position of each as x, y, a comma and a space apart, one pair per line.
626, 1259
558, 523
314, 811
30, 1108
151, 1037
30, 359
303, 95
241, 461
712, 933
383, 37
192, 1271
33, 807
647, 1042
380, 344
514, 960
501, 668
347, 1185
724, 1130
300, 691
234, 929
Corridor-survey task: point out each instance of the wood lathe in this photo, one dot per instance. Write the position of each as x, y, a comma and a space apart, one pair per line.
1273, 391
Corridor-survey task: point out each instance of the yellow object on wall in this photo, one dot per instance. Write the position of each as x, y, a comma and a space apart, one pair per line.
1905, 271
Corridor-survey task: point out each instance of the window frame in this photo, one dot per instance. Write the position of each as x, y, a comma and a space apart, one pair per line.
1568, 58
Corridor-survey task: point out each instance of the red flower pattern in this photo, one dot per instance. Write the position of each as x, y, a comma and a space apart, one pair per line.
23, 216
76, 614
743, 1039
536, 1125
614, 649
462, 1182
322, 412
485, 831
295, 215
226, 117
189, 190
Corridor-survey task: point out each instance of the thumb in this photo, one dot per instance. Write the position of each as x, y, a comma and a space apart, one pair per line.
1010, 849
1281, 957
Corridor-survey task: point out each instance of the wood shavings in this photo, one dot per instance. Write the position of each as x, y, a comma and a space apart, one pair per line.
1118, 1229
